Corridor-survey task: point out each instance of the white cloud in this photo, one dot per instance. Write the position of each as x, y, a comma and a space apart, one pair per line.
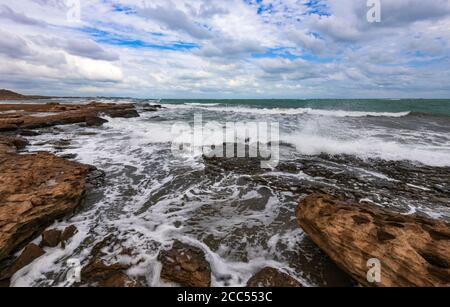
234, 48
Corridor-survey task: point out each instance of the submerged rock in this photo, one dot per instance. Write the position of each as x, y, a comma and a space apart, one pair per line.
412, 250
185, 265
270, 277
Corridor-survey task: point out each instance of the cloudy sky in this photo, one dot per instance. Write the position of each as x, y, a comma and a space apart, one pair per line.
226, 48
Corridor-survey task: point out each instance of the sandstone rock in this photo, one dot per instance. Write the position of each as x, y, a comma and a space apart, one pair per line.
67, 234
413, 250
99, 274
51, 238
13, 141
61, 114
270, 277
35, 190
29, 254
185, 265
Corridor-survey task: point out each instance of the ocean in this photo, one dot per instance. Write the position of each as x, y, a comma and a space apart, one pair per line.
392, 153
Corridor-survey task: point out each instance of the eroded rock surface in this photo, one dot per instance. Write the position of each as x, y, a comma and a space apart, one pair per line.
36, 189
185, 265
32, 116
270, 277
413, 250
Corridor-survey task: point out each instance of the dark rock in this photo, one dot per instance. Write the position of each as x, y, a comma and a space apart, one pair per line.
99, 274
29, 254
67, 234
127, 113
413, 250
51, 238
270, 277
95, 121
14, 141
28, 133
185, 265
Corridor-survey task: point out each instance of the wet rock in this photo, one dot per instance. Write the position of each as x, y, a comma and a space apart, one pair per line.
14, 142
67, 234
270, 277
413, 250
185, 265
51, 238
95, 121
97, 273
61, 114
29, 254
28, 133
35, 190
68, 156
126, 113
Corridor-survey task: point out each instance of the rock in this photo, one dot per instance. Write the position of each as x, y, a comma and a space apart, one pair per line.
67, 234
185, 265
92, 121
13, 141
60, 114
35, 190
51, 238
28, 133
413, 250
126, 113
29, 254
270, 277
99, 274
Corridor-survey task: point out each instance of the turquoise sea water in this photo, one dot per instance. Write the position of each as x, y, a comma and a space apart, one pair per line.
427, 106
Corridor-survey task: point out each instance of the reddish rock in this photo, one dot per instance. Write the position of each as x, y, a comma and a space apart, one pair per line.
35, 190
412, 250
270, 277
51, 238
29, 254
68, 233
59, 114
99, 274
185, 265
12, 143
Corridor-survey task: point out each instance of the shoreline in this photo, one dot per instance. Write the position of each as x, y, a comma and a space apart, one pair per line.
21, 120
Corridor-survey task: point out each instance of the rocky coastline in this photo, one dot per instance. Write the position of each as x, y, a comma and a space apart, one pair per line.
37, 189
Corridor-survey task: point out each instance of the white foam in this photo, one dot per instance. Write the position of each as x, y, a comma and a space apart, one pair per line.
284, 111
368, 147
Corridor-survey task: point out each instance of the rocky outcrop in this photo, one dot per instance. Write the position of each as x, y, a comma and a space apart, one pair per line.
10, 95
24, 116
36, 189
412, 250
185, 265
270, 277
